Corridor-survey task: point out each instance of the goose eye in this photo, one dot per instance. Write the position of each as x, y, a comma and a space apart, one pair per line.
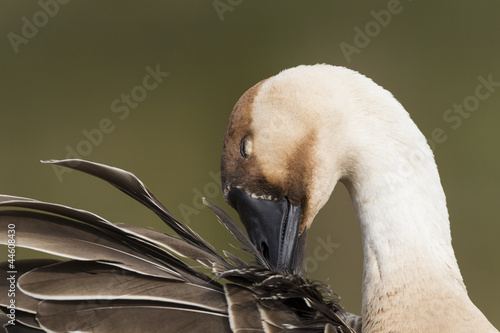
245, 147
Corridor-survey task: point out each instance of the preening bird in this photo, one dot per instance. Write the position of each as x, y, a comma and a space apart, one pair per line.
290, 139
123, 278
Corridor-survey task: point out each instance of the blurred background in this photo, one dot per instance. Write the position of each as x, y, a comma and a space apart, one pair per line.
67, 68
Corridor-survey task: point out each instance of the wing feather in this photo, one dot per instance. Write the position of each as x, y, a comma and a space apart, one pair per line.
71, 239
75, 280
132, 186
122, 316
175, 245
243, 313
23, 301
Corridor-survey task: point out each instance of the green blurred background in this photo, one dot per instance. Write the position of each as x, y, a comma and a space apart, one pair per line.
62, 81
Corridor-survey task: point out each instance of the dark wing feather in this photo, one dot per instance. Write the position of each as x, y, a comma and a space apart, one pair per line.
277, 316
4, 197
243, 310
25, 305
19, 328
4, 320
119, 239
175, 245
23, 301
26, 319
77, 280
68, 238
291, 302
131, 185
237, 261
124, 316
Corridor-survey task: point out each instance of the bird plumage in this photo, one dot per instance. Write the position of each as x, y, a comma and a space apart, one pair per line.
125, 278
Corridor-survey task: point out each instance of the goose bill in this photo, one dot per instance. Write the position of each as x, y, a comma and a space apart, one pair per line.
272, 226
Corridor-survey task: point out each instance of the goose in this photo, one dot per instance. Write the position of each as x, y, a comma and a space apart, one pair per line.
292, 137
123, 278
289, 140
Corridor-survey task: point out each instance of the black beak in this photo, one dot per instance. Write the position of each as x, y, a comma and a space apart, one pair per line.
273, 227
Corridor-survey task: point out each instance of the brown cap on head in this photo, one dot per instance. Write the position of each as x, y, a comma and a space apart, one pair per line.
239, 167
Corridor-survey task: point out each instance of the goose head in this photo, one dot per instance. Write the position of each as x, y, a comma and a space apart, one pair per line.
278, 167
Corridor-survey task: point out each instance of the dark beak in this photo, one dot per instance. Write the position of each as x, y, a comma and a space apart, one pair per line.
273, 227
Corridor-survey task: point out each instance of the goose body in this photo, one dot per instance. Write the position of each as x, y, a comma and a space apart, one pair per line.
294, 136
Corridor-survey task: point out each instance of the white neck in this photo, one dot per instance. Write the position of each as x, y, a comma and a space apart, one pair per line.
411, 280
